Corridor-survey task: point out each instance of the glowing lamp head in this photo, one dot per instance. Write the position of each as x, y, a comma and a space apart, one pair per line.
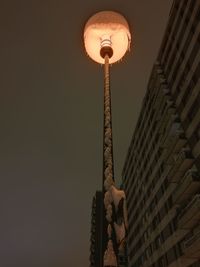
107, 32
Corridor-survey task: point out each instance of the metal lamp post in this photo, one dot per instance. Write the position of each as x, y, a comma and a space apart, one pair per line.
107, 39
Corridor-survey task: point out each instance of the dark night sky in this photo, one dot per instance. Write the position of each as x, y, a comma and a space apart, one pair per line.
51, 122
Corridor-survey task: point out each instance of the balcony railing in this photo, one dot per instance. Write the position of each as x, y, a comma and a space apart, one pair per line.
190, 215
182, 162
172, 133
188, 186
191, 245
168, 118
174, 141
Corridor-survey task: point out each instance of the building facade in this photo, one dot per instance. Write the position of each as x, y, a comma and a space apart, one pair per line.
161, 175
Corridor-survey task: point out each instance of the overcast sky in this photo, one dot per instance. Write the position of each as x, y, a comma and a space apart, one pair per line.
51, 115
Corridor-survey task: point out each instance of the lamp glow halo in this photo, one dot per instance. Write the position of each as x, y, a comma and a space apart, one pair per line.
107, 28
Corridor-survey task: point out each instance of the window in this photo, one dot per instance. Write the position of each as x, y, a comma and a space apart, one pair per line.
163, 212
162, 262
171, 255
167, 231
194, 109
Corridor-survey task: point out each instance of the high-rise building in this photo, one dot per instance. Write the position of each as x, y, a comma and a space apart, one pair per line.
96, 252
161, 175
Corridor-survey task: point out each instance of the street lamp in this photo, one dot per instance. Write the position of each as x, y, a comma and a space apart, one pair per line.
107, 38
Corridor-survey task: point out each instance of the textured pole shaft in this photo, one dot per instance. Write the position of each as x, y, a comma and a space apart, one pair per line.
108, 144
110, 259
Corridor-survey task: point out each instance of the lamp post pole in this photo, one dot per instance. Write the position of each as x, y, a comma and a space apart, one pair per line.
108, 166
107, 38
108, 170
